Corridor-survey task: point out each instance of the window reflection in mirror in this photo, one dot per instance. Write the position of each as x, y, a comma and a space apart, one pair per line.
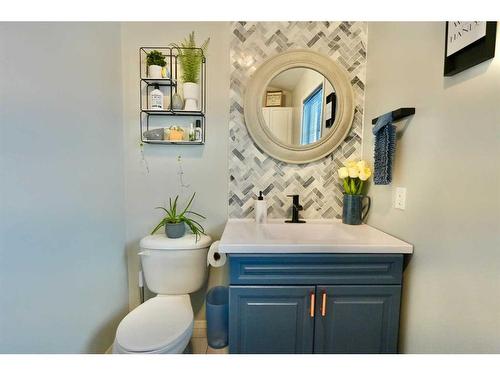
299, 106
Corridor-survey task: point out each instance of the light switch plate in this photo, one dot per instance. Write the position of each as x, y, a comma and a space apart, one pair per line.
400, 198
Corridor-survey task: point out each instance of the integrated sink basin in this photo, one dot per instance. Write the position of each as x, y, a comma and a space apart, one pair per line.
315, 236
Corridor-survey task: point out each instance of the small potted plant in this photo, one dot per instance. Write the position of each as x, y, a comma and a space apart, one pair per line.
155, 61
175, 221
190, 58
354, 174
176, 133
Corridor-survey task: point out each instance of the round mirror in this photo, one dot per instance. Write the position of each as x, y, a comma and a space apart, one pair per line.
299, 106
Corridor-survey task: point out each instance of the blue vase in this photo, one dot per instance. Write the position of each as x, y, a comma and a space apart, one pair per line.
353, 210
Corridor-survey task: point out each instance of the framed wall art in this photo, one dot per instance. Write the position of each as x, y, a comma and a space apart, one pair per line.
468, 43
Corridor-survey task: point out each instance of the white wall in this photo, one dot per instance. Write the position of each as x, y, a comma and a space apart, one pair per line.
62, 263
448, 159
205, 167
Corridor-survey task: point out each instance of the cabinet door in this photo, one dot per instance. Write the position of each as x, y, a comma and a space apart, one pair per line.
357, 319
271, 319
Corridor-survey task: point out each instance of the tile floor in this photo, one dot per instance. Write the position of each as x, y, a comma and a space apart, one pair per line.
199, 344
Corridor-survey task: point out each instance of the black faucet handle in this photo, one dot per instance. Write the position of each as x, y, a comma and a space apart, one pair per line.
296, 207
295, 201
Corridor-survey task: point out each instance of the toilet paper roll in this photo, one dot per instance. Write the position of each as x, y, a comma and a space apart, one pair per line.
214, 258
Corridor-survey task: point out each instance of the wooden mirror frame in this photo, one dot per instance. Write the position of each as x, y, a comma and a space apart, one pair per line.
254, 119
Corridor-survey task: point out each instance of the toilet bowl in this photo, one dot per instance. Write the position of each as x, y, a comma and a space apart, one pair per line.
164, 324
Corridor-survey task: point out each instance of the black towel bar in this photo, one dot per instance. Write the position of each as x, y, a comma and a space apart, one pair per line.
398, 114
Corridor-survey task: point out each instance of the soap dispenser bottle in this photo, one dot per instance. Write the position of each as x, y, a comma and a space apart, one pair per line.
156, 98
260, 209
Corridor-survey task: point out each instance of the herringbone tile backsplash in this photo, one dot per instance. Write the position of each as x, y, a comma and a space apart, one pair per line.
251, 170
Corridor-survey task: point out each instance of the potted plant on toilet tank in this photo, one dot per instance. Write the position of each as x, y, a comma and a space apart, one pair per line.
190, 58
353, 175
175, 220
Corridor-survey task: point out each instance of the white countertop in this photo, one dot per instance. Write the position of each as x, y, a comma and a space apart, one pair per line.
315, 236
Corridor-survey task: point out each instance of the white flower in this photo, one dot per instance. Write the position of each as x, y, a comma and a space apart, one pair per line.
343, 172
351, 164
361, 165
353, 172
365, 173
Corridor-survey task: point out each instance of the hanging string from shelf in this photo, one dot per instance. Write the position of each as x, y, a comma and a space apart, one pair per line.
143, 158
180, 173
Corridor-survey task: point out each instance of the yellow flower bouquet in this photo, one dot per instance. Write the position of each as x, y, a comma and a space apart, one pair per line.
354, 174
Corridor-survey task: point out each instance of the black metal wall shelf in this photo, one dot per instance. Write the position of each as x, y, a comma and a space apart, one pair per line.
159, 81
170, 85
399, 114
169, 112
160, 142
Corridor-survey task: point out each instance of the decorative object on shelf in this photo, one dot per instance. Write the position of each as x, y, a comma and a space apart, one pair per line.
191, 132
468, 44
155, 61
156, 98
197, 131
274, 98
165, 72
175, 222
177, 102
176, 133
190, 58
191, 96
353, 176
155, 134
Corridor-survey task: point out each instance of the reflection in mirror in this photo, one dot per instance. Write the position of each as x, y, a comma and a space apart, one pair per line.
299, 106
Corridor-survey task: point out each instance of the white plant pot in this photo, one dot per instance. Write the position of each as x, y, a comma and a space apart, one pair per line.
154, 71
191, 96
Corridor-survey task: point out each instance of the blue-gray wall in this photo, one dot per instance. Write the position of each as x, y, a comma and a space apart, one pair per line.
63, 275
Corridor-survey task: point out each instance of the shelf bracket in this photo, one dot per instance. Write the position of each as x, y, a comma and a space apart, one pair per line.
399, 114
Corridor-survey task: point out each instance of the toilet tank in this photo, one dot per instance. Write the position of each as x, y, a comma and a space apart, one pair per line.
174, 266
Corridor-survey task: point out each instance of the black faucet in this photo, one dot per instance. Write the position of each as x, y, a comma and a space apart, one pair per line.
296, 207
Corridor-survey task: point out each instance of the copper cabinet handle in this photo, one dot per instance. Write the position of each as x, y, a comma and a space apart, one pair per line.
323, 304
312, 304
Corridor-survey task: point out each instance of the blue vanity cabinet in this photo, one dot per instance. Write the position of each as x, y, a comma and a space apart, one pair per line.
314, 303
271, 319
361, 319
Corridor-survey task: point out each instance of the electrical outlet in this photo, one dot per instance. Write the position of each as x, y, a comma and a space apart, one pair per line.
400, 198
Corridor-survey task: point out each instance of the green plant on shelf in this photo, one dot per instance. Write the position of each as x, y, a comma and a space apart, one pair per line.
175, 216
155, 58
191, 57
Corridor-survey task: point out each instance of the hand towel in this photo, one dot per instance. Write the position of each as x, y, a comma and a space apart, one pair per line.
385, 147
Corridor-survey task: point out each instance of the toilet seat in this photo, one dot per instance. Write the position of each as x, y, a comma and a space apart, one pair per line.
163, 324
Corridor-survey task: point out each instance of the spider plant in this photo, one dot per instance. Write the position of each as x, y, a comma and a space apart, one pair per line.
175, 216
190, 57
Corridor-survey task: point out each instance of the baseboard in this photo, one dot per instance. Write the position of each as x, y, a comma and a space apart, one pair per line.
200, 329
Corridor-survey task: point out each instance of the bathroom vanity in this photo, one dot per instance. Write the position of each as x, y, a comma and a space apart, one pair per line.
319, 287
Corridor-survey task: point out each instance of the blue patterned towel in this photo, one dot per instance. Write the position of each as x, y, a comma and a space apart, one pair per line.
385, 147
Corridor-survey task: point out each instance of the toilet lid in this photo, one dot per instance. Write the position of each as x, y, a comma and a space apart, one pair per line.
157, 323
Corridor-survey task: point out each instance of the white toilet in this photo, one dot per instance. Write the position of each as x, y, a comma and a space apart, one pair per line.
172, 268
